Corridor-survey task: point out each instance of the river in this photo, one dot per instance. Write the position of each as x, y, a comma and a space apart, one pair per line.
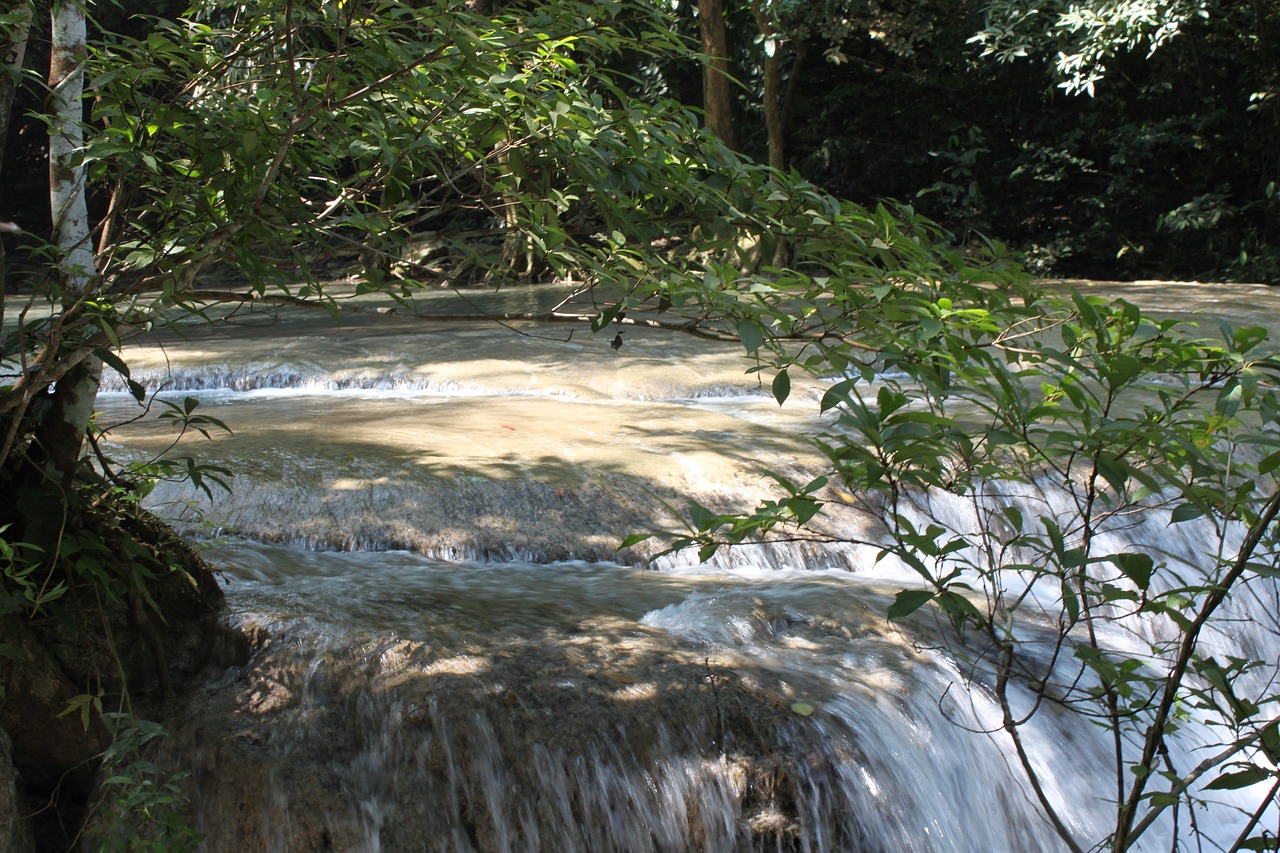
450, 653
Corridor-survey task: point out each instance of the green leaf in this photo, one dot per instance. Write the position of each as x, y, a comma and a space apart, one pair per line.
1238, 779
909, 601
804, 709
1164, 799
1185, 512
634, 539
1123, 369
110, 359
1247, 337
1115, 471
1228, 402
1014, 516
958, 607
701, 517
781, 387
110, 332
804, 508
751, 335
605, 317
1070, 601
836, 395
1136, 567
1271, 740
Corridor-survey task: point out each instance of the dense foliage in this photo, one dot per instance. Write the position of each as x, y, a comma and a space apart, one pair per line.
1106, 140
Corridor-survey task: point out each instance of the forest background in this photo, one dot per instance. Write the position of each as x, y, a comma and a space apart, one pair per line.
1120, 140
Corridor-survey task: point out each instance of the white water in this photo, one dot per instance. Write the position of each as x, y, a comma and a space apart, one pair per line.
428, 701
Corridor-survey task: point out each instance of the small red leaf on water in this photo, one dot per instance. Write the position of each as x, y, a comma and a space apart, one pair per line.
504, 426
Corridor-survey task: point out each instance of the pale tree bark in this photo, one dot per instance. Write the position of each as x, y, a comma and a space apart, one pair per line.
717, 100
62, 433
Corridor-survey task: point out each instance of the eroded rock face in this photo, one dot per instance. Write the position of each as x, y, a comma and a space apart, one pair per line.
55, 754
90, 647
15, 833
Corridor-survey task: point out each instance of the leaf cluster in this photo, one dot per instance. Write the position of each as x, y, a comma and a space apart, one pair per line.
1058, 421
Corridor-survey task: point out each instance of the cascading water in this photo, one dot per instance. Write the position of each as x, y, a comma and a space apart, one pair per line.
405, 703
506, 688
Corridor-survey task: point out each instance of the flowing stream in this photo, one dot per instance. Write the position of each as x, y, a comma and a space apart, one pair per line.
450, 653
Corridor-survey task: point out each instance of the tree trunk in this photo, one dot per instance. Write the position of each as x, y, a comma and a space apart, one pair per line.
773, 120
62, 433
772, 87
800, 52
13, 51
1266, 31
717, 101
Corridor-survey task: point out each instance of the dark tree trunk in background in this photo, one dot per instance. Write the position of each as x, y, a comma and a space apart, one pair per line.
13, 52
1266, 28
772, 88
773, 108
717, 100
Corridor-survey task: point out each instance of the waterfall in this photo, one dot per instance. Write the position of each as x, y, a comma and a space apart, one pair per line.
402, 703
515, 707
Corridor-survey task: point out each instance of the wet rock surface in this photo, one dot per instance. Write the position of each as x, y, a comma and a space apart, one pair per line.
602, 735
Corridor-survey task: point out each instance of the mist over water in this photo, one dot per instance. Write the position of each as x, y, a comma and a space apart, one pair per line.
450, 653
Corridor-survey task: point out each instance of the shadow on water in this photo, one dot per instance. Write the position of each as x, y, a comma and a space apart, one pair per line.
494, 475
